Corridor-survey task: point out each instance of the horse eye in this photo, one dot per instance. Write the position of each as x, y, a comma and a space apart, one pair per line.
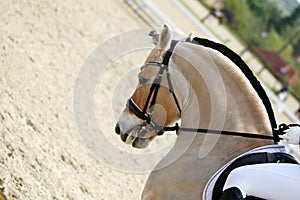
143, 80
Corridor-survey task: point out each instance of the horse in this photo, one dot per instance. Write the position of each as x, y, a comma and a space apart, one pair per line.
206, 88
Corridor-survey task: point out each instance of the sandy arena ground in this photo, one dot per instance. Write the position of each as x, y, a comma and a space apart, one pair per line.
43, 46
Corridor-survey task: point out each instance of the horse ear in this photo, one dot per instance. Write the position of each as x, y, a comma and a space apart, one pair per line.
164, 38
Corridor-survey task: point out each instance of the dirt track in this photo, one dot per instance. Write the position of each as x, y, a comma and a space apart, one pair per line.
43, 45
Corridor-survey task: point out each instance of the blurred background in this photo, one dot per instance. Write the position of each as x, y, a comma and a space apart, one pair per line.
270, 29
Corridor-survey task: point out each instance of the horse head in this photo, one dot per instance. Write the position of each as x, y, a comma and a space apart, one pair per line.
151, 106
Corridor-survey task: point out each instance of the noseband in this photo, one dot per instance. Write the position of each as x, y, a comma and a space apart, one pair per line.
142, 113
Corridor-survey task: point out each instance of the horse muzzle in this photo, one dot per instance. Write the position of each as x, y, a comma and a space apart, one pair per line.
138, 136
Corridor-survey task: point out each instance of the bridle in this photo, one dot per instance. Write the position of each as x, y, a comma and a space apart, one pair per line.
147, 117
142, 113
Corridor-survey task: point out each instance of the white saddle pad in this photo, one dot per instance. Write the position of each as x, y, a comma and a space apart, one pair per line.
207, 193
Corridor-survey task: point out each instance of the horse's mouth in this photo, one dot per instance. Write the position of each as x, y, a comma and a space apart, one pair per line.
133, 134
137, 137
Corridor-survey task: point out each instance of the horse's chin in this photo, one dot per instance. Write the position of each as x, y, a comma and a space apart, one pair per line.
141, 143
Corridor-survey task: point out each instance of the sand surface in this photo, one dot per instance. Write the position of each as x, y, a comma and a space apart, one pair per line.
43, 47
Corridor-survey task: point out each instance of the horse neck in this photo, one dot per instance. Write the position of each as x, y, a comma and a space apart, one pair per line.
219, 96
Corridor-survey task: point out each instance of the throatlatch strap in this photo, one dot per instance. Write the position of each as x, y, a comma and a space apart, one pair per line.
172, 90
169, 53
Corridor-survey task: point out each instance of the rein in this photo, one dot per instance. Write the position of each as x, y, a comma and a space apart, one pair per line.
279, 131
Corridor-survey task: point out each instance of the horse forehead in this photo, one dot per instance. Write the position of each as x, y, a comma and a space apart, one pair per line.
149, 71
143, 91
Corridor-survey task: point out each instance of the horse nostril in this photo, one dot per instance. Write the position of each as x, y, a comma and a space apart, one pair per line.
117, 129
124, 137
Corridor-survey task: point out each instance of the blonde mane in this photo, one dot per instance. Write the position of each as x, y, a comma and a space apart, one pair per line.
244, 84
201, 57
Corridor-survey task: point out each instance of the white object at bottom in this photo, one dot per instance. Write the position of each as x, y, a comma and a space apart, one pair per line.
276, 181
